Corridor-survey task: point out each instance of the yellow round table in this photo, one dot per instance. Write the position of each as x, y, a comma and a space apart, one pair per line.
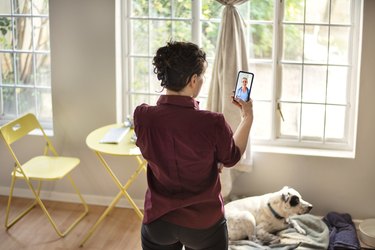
124, 148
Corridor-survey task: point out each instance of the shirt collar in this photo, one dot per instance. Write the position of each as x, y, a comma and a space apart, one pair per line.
177, 100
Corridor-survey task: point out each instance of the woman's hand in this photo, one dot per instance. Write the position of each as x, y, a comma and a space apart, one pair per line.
245, 107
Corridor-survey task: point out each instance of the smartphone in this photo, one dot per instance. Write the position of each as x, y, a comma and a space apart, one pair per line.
243, 85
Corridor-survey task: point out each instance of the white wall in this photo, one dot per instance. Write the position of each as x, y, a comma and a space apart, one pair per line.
83, 88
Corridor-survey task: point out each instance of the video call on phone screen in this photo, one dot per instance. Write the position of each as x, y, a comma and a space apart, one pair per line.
243, 85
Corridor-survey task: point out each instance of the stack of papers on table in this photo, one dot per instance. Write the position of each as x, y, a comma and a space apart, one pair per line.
115, 135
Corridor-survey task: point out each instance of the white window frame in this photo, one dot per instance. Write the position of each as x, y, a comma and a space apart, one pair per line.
274, 144
46, 123
332, 149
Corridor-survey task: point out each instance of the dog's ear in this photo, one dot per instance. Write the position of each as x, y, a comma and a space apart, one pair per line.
285, 196
294, 201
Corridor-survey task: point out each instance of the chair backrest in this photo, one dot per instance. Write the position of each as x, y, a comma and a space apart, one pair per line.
18, 128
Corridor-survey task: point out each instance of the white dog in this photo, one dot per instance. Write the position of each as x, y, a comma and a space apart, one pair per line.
259, 217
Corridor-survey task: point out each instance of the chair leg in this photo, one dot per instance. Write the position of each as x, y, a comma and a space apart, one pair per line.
20, 215
38, 201
83, 202
51, 220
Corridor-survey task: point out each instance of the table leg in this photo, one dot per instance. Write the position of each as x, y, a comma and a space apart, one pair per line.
123, 188
123, 191
109, 208
127, 185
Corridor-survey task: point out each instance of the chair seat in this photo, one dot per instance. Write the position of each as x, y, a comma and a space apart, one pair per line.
48, 167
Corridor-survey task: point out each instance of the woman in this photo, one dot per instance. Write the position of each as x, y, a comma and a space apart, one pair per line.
184, 147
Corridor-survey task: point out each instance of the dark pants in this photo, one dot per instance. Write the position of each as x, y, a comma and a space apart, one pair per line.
161, 235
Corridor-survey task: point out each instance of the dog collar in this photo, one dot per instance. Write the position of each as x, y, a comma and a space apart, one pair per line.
277, 216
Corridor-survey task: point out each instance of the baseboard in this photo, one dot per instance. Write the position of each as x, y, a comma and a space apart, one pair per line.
69, 197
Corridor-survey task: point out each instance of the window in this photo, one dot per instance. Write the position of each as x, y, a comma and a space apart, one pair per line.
149, 25
25, 81
305, 56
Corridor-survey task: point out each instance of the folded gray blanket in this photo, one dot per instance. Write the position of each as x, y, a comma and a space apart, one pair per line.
317, 236
250, 245
317, 233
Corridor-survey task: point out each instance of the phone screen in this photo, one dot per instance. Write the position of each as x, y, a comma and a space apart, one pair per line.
243, 86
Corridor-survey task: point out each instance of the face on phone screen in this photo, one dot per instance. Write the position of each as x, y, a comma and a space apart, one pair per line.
243, 85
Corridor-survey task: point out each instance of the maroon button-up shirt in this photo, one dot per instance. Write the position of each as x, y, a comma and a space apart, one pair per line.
182, 146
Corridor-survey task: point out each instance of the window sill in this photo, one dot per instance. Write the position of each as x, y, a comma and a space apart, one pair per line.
304, 151
49, 132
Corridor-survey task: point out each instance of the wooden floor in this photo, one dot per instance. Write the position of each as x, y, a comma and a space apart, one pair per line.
119, 230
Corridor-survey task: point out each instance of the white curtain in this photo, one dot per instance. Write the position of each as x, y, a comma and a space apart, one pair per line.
231, 56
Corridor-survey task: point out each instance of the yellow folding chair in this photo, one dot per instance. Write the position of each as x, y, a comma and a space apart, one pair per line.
38, 169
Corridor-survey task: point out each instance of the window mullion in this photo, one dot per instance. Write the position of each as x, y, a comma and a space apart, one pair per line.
196, 27
277, 54
327, 72
33, 59
302, 73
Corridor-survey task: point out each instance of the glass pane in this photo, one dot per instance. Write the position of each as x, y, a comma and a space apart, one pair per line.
22, 7
335, 122
40, 7
44, 109
41, 34
244, 9
136, 100
5, 7
261, 41
293, 42
24, 65
261, 10
182, 9
317, 11
139, 8
23, 29
42, 70
261, 129
339, 45
7, 68
6, 35
161, 33
155, 87
312, 124
291, 82
210, 32
160, 8
340, 11
139, 33
316, 44
263, 78
337, 85
26, 100
211, 9
207, 80
202, 103
314, 84
181, 31
294, 11
139, 76
8, 101
291, 124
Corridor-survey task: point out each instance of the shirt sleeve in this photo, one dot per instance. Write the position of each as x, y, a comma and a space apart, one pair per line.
138, 112
226, 150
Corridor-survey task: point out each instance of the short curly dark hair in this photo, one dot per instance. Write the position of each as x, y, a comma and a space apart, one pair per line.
175, 64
